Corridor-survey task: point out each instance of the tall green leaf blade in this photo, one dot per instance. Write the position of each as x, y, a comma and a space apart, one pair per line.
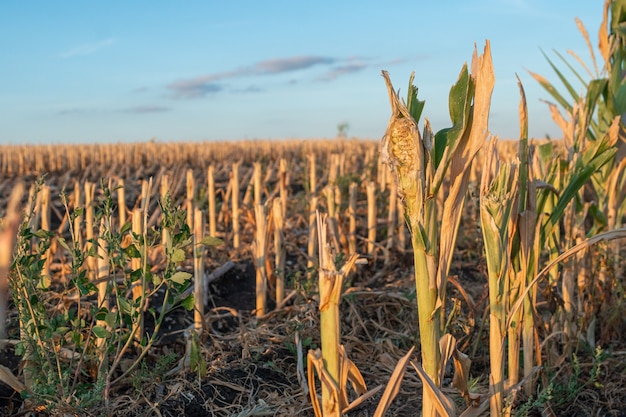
551, 90
563, 79
571, 68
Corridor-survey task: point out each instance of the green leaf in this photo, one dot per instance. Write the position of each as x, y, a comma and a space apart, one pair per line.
211, 241
571, 190
43, 234
64, 244
132, 251
178, 255
595, 89
126, 227
102, 313
188, 302
110, 320
460, 100
125, 306
61, 330
576, 73
620, 99
564, 80
156, 280
552, 91
100, 332
181, 277
136, 275
414, 105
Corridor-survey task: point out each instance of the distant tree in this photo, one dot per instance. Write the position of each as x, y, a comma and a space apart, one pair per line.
342, 129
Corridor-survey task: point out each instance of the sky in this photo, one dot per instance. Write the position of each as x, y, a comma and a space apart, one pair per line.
132, 71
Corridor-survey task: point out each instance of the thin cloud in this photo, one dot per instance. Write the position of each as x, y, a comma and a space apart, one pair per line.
129, 110
206, 84
146, 109
75, 110
194, 88
251, 89
276, 66
88, 48
339, 71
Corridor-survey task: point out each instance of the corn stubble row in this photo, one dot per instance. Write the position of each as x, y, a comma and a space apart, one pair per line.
237, 201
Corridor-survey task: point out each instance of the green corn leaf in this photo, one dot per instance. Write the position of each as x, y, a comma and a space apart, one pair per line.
596, 88
551, 90
460, 101
572, 69
564, 80
414, 105
619, 100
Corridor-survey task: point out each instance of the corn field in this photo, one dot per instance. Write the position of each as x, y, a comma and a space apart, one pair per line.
441, 273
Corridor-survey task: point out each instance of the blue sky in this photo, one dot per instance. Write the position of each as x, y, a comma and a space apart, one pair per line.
124, 71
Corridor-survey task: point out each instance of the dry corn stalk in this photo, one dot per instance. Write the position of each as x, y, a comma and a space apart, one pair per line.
235, 204
279, 249
352, 216
211, 196
313, 175
121, 202
8, 232
313, 237
331, 362
189, 201
198, 271
333, 367
371, 217
260, 257
283, 177
257, 183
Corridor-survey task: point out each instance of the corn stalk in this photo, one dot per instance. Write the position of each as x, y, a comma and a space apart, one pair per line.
420, 164
498, 212
331, 363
